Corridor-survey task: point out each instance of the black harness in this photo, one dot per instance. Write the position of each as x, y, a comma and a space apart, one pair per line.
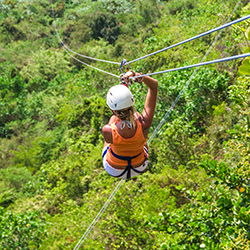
124, 158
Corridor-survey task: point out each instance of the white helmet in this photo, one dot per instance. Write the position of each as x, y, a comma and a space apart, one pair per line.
119, 97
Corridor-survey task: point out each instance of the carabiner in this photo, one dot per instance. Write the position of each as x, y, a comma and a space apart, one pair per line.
123, 62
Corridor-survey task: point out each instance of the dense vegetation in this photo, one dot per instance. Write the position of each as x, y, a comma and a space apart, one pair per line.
196, 192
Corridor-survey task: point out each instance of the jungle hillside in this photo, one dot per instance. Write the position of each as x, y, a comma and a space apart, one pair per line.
196, 191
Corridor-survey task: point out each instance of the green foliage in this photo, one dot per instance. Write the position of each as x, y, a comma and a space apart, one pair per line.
76, 34
10, 31
148, 11
11, 87
203, 225
178, 144
15, 177
34, 153
52, 109
205, 92
216, 214
45, 64
218, 217
105, 26
12, 179
244, 69
36, 185
206, 89
21, 231
239, 92
117, 6
85, 118
176, 6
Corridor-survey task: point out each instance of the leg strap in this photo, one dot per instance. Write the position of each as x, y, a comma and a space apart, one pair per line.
124, 158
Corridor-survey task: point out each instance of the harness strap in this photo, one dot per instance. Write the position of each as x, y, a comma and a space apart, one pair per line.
124, 158
104, 153
129, 166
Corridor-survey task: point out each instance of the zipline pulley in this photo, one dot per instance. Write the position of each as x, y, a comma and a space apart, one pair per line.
123, 63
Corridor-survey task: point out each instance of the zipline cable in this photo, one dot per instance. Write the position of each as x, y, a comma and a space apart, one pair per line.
163, 120
91, 65
99, 214
62, 43
172, 46
193, 38
196, 65
100, 60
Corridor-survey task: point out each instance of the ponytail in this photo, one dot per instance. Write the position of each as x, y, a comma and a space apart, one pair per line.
127, 115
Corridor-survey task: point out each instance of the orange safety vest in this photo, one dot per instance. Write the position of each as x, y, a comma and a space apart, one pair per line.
126, 147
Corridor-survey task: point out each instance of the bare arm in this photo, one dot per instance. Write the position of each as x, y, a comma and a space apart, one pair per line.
150, 103
107, 130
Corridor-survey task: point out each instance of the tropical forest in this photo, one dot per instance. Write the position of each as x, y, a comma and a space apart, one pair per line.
58, 60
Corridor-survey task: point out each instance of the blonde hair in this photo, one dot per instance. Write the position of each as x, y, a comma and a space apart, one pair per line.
126, 115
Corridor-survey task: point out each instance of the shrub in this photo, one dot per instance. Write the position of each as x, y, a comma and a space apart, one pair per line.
10, 32
15, 177
105, 26
45, 64
21, 231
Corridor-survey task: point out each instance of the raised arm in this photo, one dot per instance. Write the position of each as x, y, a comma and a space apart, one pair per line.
150, 103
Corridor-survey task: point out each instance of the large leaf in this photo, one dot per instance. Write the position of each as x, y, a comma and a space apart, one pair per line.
247, 33
244, 69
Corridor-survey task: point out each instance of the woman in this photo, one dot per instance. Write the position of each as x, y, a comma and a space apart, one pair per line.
125, 150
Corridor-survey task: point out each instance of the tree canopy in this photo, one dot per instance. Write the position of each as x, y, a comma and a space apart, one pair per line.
195, 194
